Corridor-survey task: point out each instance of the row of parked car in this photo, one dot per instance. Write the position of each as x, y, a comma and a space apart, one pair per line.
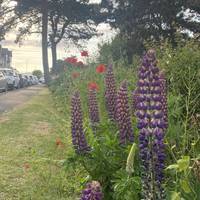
12, 79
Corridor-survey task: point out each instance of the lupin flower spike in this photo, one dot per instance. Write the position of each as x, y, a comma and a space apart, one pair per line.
78, 136
93, 191
152, 126
93, 107
110, 93
123, 116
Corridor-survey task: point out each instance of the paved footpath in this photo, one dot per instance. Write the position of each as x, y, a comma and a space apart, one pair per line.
12, 99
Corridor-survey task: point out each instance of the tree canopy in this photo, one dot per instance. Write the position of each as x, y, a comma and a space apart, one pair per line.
142, 20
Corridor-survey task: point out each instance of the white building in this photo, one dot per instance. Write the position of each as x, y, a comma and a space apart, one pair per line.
5, 58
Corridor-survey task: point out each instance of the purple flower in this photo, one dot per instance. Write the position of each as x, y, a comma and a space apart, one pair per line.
78, 136
93, 107
123, 115
93, 191
151, 113
110, 93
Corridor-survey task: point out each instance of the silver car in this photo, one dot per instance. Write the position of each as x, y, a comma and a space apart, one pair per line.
12, 77
3, 82
8, 73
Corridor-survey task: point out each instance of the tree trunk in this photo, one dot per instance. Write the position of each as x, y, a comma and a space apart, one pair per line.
44, 40
54, 55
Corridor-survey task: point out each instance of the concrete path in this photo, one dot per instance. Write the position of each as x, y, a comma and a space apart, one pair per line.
12, 99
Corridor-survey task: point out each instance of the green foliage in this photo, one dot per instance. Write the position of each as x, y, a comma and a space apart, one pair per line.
37, 73
182, 68
184, 187
107, 161
141, 20
115, 50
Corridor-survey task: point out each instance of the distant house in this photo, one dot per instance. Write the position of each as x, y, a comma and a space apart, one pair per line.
5, 58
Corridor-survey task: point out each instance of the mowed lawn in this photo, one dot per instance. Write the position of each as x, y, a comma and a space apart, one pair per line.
34, 143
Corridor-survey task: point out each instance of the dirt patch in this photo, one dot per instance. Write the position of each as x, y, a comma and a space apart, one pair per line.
3, 119
13, 99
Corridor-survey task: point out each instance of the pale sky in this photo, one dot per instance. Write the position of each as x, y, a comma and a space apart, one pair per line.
28, 57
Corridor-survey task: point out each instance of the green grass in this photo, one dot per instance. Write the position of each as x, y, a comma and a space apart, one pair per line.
31, 164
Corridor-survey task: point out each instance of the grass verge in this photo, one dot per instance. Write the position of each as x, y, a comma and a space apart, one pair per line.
33, 147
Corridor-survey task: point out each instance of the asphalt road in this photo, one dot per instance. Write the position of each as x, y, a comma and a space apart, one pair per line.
12, 99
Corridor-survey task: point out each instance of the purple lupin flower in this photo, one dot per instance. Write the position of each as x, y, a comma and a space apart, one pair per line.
93, 107
93, 191
123, 117
152, 125
78, 136
110, 93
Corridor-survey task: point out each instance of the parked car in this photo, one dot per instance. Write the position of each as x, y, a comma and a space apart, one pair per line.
8, 73
23, 81
29, 81
12, 77
17, 79
41, 80
32, 80
3, 82
35, 80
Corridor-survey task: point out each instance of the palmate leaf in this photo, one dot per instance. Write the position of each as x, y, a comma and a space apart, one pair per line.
182, 164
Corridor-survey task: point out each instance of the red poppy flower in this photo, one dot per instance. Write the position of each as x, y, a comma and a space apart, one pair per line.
75, 75
71, 60
84, 53
101, 68
93, 86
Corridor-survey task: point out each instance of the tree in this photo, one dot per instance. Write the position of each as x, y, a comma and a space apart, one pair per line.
63, 17
37, 73
34, 12
7, 18
69, 20
44, 11
143, 20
